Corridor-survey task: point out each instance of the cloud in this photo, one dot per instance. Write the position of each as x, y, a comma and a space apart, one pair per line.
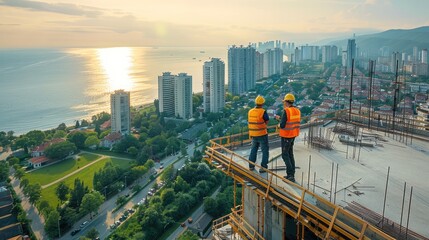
62, 8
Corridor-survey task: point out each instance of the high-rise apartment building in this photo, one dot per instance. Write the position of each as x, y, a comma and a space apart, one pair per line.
166, 94
344, 58
309, 53
415, 54
259, 65
351, 53
175, 95
396, 62
425, 56
214, 85
273, 62
241, 69
297, 54
329, 53
120, 112
183, 95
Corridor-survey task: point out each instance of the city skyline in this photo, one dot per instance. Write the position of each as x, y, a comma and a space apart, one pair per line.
66, 23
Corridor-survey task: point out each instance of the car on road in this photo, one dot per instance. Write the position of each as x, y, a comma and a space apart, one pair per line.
161, 167
150, 193
83, 224
141, 202
75, 231
190, 220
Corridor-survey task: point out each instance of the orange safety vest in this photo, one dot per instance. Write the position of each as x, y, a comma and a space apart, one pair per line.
293, 121
257, 125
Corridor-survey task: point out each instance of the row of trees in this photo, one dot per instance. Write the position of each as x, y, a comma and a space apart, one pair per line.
79, 202
181, 193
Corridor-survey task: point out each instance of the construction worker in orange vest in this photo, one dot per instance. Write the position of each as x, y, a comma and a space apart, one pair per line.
289, 130
258, 119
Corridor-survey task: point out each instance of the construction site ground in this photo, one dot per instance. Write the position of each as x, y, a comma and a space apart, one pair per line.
362, 174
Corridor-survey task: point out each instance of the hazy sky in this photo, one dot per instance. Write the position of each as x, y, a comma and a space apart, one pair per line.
105, 23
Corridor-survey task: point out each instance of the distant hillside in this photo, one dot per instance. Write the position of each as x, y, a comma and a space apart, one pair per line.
402, 40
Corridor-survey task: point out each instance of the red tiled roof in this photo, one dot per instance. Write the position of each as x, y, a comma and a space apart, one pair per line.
105, 125
113, 136
43, 146
40, 159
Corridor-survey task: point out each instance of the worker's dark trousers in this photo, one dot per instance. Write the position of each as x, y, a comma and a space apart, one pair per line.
287, 155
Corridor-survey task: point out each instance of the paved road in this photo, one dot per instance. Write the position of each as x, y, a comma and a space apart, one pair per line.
196, 215
106, 216
37, 221
5, 154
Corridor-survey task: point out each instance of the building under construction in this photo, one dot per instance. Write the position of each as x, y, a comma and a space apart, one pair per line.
344, 189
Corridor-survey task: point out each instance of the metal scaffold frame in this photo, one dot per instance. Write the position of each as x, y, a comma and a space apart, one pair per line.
310, 211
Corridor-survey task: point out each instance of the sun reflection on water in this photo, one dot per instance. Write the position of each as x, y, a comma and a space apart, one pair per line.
116, 63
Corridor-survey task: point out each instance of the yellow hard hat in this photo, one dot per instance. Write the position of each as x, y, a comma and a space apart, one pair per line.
259, 100
289, 97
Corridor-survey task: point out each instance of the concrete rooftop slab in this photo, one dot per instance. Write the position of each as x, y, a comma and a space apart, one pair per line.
366, 168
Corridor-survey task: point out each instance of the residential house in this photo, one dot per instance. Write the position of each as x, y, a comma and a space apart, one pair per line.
105, 125
40, 150
110, 140
37, 162
420, 97
9, 224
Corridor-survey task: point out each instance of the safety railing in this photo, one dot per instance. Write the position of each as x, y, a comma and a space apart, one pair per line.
325, 219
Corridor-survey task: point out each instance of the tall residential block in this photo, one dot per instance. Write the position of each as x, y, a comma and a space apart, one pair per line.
344, 58
214, 85
415, 54
297, 54
241, 69
351, 53
183, 96
273, 62
120, 112
329, 54
259, 65
395, 60
166, 94
425, 56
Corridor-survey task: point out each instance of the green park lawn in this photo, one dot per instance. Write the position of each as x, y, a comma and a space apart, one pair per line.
55, 171
86, 175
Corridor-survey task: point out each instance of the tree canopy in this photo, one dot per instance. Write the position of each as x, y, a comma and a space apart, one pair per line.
60, 150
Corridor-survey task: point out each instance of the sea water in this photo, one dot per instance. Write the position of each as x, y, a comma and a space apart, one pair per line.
41, 88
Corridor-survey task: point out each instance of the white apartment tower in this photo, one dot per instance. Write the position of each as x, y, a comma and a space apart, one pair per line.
425, 56
214, 85
166, 94
344, 58
241, 69
120, 112
329, 54
273, 62
183, 95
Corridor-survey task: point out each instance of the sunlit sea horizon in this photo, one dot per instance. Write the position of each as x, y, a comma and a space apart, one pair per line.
41, 88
